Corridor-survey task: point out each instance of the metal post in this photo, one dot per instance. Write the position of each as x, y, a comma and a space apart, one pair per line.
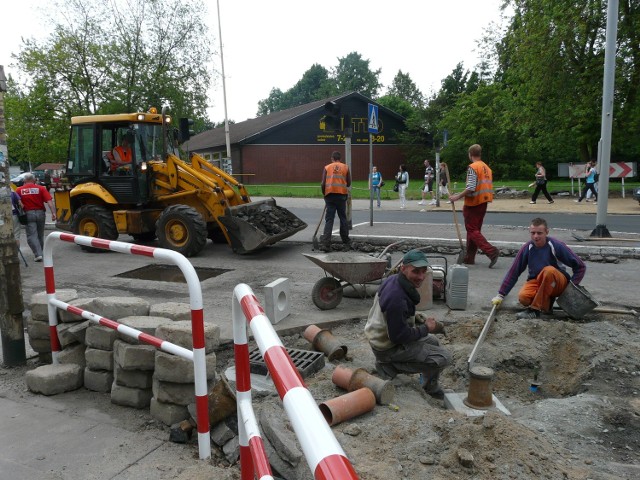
348, 131
11, 302
370, 180
438, 176
604, 154
224, 89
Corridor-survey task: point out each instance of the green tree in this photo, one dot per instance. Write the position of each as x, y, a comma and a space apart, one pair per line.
405, 88
146, 54
353, 74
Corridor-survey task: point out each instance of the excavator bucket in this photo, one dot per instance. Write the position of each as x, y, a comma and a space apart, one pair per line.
257, 224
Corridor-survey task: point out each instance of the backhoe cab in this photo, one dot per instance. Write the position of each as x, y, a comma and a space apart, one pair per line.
124, 175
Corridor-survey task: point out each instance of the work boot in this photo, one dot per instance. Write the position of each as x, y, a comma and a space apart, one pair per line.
430, 385
325, 247
494, 258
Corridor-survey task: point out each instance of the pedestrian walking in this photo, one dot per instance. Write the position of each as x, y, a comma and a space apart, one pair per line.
589, 183
429, 176
541, 184
477, 194
16, 209
402, 180
444, 180
336, 180
375, 183
33, 198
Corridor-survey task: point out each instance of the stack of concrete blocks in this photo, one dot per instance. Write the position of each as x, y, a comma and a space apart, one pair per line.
38, 323
173, 381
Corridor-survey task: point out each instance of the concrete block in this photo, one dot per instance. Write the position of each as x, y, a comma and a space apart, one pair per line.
146, 324
168, 413
172, 310
134, 357
455, 401
64, 335
54, 379
171, 368
231, 450
83, 303
79, 330
133, 378
39, 303
179, 333
98, 380
73, 354
115, 308
276, 299
130, 397
97, 359
277, 428
99, 336
39, 330
221, 434
40, 345
178, 393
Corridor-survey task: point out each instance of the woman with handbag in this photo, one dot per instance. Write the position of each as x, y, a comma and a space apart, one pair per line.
541, 184
375, 182
402, 182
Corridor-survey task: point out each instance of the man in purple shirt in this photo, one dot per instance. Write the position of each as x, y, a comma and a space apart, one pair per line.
545, 258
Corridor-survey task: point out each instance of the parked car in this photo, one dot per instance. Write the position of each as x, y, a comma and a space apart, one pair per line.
636, 194
18, 180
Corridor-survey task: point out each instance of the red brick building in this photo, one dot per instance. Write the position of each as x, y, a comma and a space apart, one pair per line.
294, 145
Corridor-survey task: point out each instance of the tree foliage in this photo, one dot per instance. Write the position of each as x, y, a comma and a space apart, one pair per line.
115, 56
405, 88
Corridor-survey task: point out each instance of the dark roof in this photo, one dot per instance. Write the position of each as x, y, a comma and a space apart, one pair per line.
242, 132
50, 166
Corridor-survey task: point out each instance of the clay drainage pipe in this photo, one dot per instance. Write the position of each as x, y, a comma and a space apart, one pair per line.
350, 405
324, 341
352, 380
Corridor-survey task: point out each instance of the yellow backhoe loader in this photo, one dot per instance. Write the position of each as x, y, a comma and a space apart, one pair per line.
124, 176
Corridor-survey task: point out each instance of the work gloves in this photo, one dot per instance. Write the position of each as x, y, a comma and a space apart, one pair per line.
497, 300
433, 325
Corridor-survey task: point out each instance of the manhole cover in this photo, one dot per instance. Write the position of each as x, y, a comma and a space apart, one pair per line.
305, 361
170, 273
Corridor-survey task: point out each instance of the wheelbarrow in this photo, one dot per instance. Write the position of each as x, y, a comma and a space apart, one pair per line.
342, 270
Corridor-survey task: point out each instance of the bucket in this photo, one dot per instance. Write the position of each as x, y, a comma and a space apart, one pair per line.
576, 301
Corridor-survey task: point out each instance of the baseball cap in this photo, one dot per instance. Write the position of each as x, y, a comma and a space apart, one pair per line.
415, 258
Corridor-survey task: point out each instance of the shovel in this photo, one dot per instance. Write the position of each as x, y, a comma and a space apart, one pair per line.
314, 240
462, 253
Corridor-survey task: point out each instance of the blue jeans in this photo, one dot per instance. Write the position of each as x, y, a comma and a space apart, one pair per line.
376, 193
35, 231
335, 202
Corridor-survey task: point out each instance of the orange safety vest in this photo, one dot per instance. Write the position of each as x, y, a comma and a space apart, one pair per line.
124, 154
484, 187
336, 178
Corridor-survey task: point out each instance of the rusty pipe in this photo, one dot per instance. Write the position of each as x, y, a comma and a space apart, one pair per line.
350, 405
352, 380
324, 341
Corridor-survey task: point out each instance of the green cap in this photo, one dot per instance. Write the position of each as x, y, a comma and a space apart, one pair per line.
415, 258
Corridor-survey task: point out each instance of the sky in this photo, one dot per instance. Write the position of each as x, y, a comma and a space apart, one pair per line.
271, 44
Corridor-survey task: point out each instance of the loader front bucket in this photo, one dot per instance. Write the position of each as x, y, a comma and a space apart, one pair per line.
258, 224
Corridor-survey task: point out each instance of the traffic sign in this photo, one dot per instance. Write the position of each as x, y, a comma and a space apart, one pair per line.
621, 170
373, 118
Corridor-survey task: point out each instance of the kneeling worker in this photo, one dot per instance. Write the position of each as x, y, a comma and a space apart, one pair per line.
547, 279
403, 341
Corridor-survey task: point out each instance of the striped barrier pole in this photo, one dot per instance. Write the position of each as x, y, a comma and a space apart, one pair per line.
197, 356
323, 453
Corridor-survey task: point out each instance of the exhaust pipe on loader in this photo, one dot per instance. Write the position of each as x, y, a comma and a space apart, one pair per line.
255, 225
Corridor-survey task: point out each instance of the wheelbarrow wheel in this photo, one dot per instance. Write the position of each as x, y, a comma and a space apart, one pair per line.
326, 293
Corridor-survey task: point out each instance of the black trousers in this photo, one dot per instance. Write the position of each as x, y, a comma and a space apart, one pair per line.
336, 203
541, 188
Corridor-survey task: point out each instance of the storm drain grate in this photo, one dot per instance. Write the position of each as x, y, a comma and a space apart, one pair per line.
305, 361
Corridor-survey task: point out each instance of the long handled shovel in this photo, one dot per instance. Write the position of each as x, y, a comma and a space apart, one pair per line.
462, 253
314, 240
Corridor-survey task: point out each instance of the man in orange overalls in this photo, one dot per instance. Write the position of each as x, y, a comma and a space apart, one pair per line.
336, 180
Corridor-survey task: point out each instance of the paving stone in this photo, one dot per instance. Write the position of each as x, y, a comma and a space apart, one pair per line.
97, 359
133, 378
171, 368
276, 427
40, 345
134, 357
65, 336
79, 330
40, 302
73, 354
172, 310
168, 413
179, 333
98, 380
130, 397
54, 379
115, 308
99, 336
145, 324
39, 330
83, 303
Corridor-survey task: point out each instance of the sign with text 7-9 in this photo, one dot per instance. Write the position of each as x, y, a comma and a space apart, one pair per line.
373, 118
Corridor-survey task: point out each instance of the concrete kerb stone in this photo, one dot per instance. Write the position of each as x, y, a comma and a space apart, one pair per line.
97, 359
83, 303
134, 357
180, 333
131, 397
132, 378
174, 311
168, 413
146, 324
73, 354
171, 368
99, 336
54, 379
178, 393
98, 380
39, 304
115, 308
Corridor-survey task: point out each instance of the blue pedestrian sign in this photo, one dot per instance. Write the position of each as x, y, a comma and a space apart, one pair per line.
373, 118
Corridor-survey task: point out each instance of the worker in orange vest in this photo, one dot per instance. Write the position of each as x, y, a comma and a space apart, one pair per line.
123, 154
336, 180
477, 194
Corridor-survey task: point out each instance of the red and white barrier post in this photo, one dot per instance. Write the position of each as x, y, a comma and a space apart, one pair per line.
197, 356
323, 453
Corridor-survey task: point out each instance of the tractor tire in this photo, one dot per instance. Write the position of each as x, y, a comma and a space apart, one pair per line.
182, 228
94, 221
326, 293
